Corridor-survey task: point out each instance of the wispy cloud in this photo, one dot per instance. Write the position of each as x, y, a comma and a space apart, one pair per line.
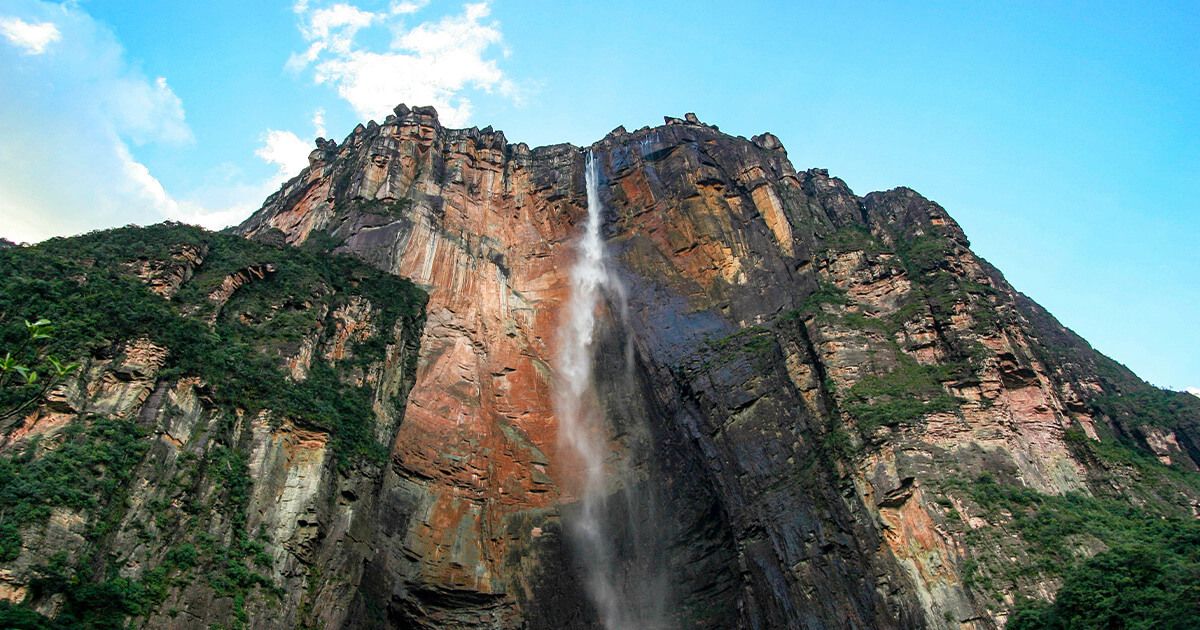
70, 117
31, 37
318, 122
402, 8
1195, 391
73, 118
435, 63
77, 109
146, 111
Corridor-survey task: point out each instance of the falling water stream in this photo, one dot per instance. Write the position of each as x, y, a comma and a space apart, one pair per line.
611, 583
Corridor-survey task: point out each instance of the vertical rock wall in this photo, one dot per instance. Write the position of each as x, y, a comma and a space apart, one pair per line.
759, 298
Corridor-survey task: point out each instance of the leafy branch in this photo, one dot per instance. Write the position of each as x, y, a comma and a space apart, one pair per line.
29, 372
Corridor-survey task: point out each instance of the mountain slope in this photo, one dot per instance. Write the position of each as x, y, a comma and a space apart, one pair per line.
823, 410
217, 455
816, 371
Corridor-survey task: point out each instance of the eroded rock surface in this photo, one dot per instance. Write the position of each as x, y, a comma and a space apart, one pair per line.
807, 382
760, 298
183, 478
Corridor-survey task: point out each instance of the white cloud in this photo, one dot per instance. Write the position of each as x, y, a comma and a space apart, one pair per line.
340, 23
318, 123
147, 111
402, 8
228, 205
433, 63
77, 110
71, 121
1195, 391
285, 150
31, 37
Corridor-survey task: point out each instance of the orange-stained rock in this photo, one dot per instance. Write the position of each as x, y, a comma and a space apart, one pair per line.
733, 387
800, 388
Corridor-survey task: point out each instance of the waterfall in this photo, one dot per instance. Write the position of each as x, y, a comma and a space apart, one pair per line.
623, 585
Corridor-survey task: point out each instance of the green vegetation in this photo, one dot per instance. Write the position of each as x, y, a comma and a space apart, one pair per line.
863, 322
925, 259
1127, 557
825, 294
92, 602
22, 618
1056, 526
86, 283
854, 238
837, 443
90, 473
1147, 574
1152, 586
748, 339
1149, 406
902, 396
1121, 464
89, 286
937, 290
320, 243
28, 371
909, 391
225, 562
391, 209
95, 461
752, 342
232, 567
925, 253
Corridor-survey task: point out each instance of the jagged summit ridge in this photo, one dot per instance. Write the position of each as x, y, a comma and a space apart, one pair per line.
674, 132
427, 115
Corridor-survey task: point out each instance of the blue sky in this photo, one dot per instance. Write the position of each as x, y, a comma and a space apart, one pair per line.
1064, 137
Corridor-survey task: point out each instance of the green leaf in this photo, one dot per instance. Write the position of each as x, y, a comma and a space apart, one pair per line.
39, 329
61, 369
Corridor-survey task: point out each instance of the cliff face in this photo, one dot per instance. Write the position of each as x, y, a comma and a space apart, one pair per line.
823, 409
816, 372
217, 456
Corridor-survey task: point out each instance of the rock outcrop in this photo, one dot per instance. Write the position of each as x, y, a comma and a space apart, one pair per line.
784, 330
179, 475
840, 412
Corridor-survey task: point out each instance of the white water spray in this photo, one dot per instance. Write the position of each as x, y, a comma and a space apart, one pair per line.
621, 604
